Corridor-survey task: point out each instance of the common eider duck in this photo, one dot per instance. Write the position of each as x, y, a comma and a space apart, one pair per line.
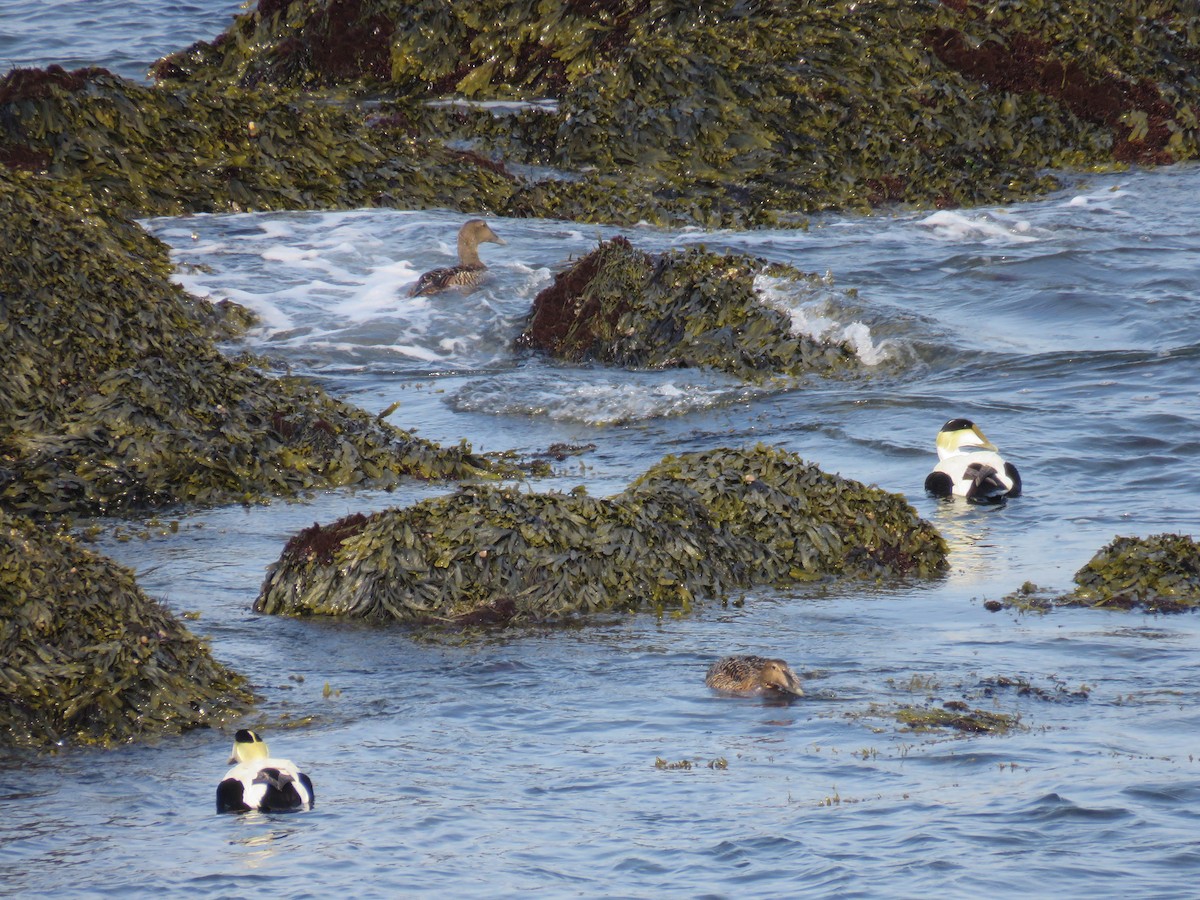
969, 466
753, 675
260, 782
470, 268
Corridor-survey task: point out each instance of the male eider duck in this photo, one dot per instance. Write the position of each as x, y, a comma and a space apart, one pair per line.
470, 268
260, 782
753, 675
969, 466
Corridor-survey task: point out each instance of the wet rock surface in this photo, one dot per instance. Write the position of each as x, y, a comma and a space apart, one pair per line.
1159, 573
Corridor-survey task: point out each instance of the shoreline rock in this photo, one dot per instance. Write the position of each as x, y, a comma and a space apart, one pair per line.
1156, 574
87, 658
117, 400
747, 115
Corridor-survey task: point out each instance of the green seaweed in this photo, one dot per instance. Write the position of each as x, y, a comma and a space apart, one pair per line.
748, 113
86, 657
955, 716
695, 525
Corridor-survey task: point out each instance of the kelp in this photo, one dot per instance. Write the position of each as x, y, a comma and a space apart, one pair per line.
745, 113
696, 525
115, 398
86, 657
683, 308
1159, 573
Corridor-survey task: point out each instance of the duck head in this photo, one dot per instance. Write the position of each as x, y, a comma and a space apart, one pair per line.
778, 675
471, 235
961, 434
248, 747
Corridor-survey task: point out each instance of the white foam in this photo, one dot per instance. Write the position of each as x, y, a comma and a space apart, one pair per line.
814, 316
1102, 200
599, 398
989, 226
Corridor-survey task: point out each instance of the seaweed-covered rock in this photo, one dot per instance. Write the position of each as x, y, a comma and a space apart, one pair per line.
114, 396
684, 308
747, 112
700, 524
86, 657
215, 148
1159, 573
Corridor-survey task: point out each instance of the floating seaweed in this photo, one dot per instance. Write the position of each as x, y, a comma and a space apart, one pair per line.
695, 525
956, 716
86, 657
1159, 573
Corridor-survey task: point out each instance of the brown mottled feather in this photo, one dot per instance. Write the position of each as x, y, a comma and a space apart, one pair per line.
753, 675
470, 268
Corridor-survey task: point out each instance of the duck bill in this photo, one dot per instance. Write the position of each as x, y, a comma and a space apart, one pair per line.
983, 443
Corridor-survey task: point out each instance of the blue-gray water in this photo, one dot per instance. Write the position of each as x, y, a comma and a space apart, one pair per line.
1069, 329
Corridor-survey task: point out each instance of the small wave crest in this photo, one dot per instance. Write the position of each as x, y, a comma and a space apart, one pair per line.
818, 316
599, 397
989, 226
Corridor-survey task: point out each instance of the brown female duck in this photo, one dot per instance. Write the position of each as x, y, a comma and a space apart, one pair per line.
470, 268
753, 675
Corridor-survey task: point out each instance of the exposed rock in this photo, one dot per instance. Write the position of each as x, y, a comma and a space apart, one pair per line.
86, 657
686, 308
696, 525
749, 112
115, 398
1159, 573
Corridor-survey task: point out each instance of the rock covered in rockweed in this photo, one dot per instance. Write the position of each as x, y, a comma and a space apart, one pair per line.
86, 657
114, 396
751, 111
142, 151
683, 308
1159, 573
695, 525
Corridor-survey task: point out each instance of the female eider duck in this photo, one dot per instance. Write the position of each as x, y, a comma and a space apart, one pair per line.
748, 675
969, 466
470, 268
260, 782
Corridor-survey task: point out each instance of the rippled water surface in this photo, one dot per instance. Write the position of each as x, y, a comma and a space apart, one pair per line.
123, 36
1069, 329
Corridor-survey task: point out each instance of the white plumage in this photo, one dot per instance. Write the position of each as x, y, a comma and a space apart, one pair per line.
261, 782
969, 466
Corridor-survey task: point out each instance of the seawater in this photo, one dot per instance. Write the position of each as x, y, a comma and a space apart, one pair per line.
123, 36
1068, 328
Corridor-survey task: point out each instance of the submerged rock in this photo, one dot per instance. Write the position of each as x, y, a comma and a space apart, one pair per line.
684, 308
695, 525
86, 657
1159, 573
115, 398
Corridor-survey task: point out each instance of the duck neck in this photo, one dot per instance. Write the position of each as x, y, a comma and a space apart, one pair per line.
468, 253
